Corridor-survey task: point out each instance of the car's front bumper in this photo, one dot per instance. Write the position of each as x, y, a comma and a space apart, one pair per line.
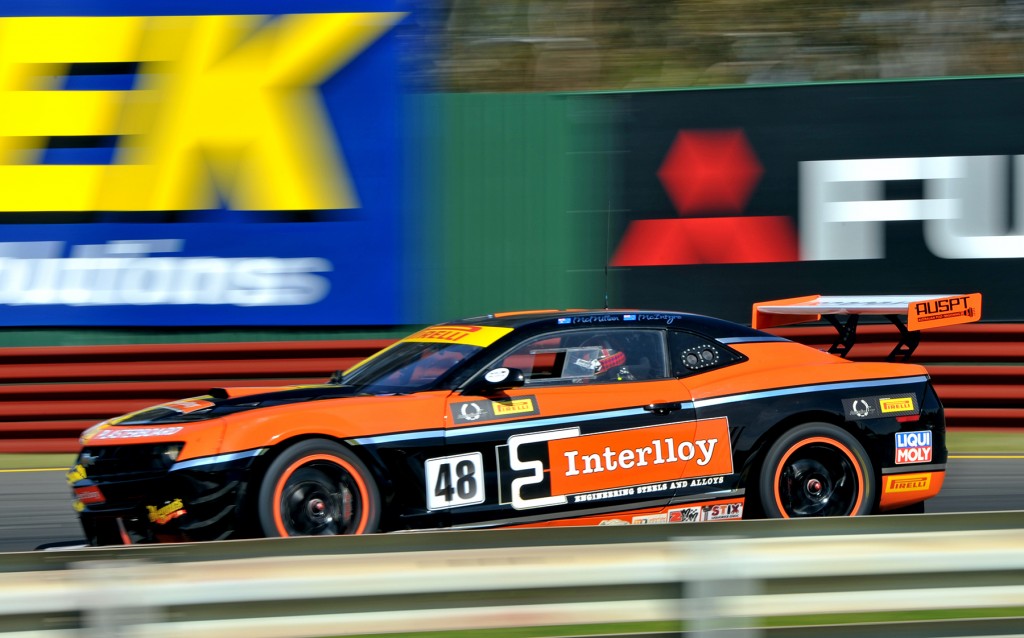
125, 495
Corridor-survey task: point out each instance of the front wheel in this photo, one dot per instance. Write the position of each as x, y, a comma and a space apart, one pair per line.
817, 469
318, 488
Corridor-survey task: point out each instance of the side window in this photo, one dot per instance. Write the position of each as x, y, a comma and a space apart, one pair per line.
591, 356
692, 354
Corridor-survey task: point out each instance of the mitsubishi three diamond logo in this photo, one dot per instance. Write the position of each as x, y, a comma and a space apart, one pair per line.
710, 177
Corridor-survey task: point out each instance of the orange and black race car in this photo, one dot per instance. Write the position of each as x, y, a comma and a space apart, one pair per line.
540, 419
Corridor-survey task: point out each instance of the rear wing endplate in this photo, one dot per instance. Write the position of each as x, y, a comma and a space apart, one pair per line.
922, 312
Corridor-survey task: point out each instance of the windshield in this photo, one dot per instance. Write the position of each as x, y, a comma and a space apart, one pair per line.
407, 366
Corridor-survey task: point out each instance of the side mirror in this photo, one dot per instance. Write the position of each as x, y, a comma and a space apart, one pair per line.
496, 380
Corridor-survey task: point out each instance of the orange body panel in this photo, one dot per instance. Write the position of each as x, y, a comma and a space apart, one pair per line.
899, 490
339, 418
785, 364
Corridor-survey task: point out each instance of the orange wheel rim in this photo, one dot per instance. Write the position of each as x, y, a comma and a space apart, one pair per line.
356, 477
845, 451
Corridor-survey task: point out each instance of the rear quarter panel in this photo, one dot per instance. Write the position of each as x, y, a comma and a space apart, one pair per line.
785, 384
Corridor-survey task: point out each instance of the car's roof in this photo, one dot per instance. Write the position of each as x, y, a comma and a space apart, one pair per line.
536, 320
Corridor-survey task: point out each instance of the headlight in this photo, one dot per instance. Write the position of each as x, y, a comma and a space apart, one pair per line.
171, 452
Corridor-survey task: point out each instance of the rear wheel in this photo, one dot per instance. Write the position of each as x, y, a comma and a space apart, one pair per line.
318, 488
817, 469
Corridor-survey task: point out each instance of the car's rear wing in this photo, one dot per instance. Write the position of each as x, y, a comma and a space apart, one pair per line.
922, 311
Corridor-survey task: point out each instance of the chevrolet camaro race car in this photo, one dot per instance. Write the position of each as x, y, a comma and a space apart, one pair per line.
540, 419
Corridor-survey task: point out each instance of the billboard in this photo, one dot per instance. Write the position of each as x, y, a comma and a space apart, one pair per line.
221, 162
748, 194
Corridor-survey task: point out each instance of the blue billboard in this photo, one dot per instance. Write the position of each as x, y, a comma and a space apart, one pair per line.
201, 163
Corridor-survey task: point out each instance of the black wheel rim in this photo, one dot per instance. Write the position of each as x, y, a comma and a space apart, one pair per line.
818, 480
320, 499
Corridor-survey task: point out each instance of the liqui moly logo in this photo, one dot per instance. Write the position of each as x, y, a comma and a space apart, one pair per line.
913, 447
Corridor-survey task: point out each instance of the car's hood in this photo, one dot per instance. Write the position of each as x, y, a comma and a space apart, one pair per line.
171, 418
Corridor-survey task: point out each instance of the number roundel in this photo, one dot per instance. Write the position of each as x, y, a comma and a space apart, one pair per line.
318, 487
454, 481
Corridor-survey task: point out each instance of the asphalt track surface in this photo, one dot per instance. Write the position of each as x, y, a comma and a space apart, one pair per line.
35, 505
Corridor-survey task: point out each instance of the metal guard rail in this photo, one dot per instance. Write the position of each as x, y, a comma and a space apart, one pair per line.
738, 577
48, 395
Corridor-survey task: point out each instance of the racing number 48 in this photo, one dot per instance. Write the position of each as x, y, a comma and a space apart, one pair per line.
454, 481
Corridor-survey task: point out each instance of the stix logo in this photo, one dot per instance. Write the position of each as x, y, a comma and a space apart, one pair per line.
913, 447
723, 512
617, 462
221, 109
908, 483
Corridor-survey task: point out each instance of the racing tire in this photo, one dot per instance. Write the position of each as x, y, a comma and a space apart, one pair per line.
817, 469
318, 488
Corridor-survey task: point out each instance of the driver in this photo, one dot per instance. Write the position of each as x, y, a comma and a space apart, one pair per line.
609, 363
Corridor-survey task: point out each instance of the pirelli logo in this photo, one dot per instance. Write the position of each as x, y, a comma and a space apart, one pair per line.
908, 483
481, 336
516, 406
901, 404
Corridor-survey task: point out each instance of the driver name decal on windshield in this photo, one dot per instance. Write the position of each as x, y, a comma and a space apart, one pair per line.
481, 336
486, 410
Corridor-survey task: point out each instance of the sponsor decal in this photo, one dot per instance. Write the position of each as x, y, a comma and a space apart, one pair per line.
935, 313
902, 404
76, 474
189, 405
861, 409
485, 410
481, 336
166, 512
913, 447
550, 467
651, 518
497, 375
880, 406
685, 515
723, 512
629, 317
613, 521
640, 456
90, 495
908, 483
136, 433
564, 320
600, 496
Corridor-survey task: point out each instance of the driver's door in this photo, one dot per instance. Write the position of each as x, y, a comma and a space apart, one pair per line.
599, 429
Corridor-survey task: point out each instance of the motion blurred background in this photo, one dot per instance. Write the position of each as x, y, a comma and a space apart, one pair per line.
260, 169
603, 45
